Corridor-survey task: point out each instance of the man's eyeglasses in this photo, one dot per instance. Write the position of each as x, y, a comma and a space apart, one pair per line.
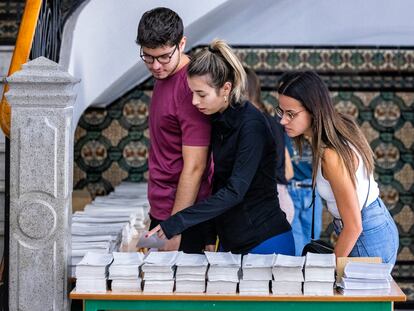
290, 115
162, 59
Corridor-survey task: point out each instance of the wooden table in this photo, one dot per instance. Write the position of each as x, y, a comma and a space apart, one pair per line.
182, 302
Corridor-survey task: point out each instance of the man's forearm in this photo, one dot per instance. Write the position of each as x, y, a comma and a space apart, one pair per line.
187, 189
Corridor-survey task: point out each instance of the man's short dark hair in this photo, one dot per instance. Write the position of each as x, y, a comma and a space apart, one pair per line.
160, 27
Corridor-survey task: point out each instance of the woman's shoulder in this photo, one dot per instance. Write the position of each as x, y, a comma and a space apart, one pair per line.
332, 163
254, 119
251, 113
329, 153
329, 158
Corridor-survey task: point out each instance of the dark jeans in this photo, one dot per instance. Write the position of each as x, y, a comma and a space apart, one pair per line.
192, 239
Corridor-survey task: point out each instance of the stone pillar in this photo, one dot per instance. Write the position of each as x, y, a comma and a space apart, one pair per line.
41, 159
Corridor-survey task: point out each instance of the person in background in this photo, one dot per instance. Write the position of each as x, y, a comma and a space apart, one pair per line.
342, 167
179, 156
284, 169
300, 190
244, 203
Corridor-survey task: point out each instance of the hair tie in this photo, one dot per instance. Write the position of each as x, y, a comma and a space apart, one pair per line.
211, 50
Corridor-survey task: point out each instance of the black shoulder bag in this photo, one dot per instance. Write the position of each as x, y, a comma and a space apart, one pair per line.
319, 246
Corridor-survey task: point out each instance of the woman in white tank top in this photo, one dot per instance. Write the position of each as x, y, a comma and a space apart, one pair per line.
343, 167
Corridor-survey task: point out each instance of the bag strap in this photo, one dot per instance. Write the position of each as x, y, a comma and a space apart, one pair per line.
312, 205
369, 186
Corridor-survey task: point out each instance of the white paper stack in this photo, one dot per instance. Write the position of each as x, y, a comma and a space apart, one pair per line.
125, 271
363, 279
92, 271
287, 275
158, 269
319, 274
257, 274
82, 244
190, 276
223, 274
123, 205
109, 221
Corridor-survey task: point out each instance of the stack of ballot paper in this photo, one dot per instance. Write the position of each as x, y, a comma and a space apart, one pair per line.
361, 279
92, 271
287, 275
256, 274
125, 271
131, 211
190, 276
109, 221
82, 244
158, 269
223, 273
319, 274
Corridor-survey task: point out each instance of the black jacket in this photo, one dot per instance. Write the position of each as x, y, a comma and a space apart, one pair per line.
278, 132
244, 201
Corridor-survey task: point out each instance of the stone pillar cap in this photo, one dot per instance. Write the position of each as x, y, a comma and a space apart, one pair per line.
41, 83
41, 70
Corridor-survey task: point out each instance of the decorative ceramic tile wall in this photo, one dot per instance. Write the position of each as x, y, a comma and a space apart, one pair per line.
10, 15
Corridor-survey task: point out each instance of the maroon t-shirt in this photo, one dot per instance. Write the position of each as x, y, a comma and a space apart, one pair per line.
173, 122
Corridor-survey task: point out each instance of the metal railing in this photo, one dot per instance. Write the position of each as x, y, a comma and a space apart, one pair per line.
21, 54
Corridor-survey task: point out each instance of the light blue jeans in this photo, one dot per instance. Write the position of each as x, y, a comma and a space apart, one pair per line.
302, 219
379, 237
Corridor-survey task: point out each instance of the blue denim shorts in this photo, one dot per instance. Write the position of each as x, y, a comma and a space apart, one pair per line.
379, 237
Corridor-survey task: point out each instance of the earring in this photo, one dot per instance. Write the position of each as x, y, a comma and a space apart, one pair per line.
225, 99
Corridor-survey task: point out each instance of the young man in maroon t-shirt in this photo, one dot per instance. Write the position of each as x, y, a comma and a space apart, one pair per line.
179, 158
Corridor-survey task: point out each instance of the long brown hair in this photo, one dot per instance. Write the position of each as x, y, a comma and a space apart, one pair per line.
253, 89
330, 128
219, 62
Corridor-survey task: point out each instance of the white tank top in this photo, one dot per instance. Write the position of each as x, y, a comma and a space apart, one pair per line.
325, 190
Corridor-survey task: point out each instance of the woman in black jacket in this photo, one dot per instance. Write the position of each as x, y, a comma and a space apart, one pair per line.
244, 203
